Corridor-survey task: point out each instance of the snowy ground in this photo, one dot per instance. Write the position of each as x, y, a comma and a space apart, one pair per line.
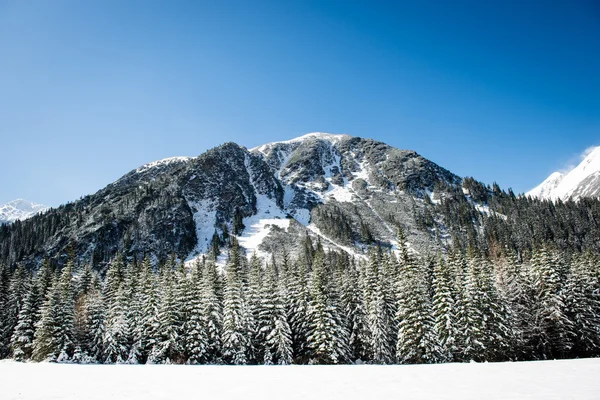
571, 379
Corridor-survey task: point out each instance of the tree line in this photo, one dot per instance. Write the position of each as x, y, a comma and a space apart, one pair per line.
321, 308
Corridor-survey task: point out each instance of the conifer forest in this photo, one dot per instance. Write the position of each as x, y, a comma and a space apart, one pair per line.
321, 307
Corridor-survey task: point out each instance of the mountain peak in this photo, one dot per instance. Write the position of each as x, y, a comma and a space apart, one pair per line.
19, 209
581, 181
327, 137
164, 161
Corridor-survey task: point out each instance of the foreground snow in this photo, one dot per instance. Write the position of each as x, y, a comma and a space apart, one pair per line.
569, 379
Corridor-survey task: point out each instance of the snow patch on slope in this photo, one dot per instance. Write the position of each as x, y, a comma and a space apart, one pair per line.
204, 216
259, 225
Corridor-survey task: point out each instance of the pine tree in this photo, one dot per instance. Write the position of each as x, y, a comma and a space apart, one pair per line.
552, 326
274, 330
134, 312
168, 347
118, 325
355, 310
297, 307
490, 332
95, 323
4, 284
149, 303
457, 265
582, 307
212, 313
22, 339
195, 331
255, 299
236, 341
46, 343
54, 337
378, 313
515, 289
443, 308
325, 338
18, 285
416, 340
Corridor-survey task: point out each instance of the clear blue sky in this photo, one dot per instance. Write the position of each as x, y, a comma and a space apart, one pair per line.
504, 91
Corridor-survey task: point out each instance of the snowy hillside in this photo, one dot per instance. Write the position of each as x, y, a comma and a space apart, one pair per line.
543, 380
581, 181
19, 210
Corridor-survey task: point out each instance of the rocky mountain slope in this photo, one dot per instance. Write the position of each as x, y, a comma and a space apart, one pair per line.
351, 192
19, 210
581, 181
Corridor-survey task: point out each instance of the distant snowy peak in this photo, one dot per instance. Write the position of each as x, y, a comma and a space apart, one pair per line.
19, 210
545, 189
581, 181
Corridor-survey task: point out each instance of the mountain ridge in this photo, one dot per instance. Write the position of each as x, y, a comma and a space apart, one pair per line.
351, 194
298, 186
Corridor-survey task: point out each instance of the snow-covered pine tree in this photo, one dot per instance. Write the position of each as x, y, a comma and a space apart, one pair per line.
514, 288
355, 310
551, 335
196, 338
168, 348
83, 285
236, 341
149, 308
582, 306
46, 345
297, 306
114, 279
274, 330
254, 293
131, 285
378, 317
22, 339
212, 312
184, 297
4, 315
457, 265
54, 337
325, 338
18, 286
443, 309
44, 279
95, 324
416, 341
116, 336
491, 333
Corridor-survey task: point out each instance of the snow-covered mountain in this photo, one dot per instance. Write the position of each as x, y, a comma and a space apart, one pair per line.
349, 191
581, 181
19, 210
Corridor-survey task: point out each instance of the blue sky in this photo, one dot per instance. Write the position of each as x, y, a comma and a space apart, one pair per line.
504, 91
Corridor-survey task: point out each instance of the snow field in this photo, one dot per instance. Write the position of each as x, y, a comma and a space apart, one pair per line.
544, 380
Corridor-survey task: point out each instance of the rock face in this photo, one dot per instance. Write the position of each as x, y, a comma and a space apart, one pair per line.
351, 191
19, 210
581, 181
